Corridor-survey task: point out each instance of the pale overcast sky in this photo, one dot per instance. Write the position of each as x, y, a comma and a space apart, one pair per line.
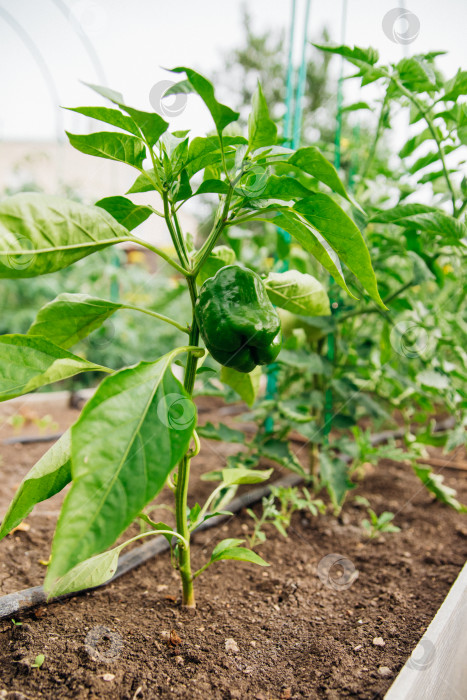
133, 39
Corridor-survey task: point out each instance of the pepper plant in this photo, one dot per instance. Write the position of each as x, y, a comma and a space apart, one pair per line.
140, 425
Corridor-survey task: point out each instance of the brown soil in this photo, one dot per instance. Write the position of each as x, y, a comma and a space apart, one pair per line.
294, 636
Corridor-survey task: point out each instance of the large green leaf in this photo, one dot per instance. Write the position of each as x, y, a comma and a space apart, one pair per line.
423, 218
298, 292
312, 161
310, 240
70, 317
48, 476
343, 236
129, 437
42, 233
221, 114
245, 384
29, 362
261, 129
109, 116
111, 145
124, 211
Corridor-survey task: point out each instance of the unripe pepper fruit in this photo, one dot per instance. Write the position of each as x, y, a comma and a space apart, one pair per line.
239, 325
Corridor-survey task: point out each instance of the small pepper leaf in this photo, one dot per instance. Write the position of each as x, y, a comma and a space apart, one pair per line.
229, 549
230, 477
262, 131
245, 384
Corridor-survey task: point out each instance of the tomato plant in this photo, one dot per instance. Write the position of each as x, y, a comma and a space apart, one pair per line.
409, 358
141, 423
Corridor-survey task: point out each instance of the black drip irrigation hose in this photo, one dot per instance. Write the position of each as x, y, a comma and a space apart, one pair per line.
21, 601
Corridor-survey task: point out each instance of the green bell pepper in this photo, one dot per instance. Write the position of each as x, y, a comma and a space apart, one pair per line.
239, 325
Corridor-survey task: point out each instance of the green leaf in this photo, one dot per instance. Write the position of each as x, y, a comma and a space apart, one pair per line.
245, 384
71, 317
230, 477
240, 554
222, 433
312, 161
220, 256
280, 452
423, 218
285, 188
309, 240
47, 477
400, 214
212, 186
129, 437
358, 56
355, 107
87, 574
432, 379
261, 129
151, 124
455, 87
434, 483
106, 92
111, 145
143, 183
221, 114
38, 661
109, 116
29, 362
41, 233
124, 211
334, 475
344, 237
298, 292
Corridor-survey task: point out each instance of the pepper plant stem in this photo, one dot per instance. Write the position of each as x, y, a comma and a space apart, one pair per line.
181, 491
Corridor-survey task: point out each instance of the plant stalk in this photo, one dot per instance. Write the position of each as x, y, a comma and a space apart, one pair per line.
183, 477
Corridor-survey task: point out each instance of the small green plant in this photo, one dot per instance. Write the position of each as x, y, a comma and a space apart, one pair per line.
38, 661
288, 500
377, 524
46, 423
17, 422
15, 623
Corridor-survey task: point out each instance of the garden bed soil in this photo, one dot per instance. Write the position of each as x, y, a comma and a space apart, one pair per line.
265, 634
